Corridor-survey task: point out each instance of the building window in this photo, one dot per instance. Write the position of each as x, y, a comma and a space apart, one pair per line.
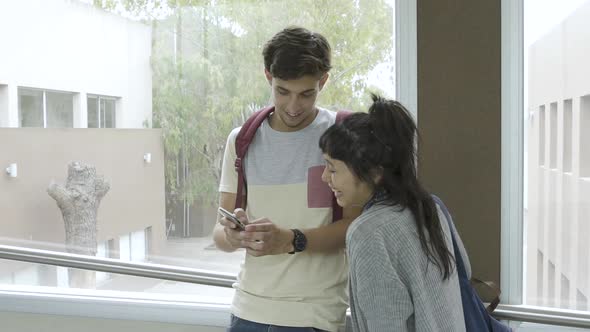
45, 109
101, 112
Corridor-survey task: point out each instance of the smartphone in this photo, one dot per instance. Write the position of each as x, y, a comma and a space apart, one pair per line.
231, 217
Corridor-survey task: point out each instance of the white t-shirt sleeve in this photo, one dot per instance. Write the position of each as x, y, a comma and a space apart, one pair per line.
229, 176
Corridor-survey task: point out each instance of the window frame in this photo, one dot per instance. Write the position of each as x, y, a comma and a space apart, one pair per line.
101, 110
512, 154
44, 105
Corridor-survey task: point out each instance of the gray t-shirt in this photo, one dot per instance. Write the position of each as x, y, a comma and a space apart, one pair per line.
393, 286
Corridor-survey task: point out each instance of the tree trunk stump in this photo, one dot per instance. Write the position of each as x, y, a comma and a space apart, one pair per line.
79, 201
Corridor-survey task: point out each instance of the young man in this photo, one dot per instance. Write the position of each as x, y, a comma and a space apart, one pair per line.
295, 273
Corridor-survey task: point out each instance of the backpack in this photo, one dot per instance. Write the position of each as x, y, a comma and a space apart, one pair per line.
477, 316
243, 140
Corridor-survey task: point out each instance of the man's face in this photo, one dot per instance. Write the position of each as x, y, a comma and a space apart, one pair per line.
294, 101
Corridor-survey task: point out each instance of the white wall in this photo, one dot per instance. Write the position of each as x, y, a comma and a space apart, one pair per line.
71, 46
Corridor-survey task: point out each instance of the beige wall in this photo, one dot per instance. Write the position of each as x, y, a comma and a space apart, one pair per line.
134, 202
459, 119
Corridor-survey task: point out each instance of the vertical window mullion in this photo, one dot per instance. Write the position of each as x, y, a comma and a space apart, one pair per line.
512, 210
99, 113
44, 109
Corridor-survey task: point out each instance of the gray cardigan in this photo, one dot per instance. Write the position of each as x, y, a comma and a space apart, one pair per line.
393, 286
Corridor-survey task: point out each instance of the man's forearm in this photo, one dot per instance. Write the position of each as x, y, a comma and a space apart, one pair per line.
328, 238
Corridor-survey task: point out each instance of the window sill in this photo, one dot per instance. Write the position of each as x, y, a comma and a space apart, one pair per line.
178, 309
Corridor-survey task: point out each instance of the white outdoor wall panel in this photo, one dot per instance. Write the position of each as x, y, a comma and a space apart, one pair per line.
63, 279
101, 251
138, 246
27, 276
125, 248
583, 253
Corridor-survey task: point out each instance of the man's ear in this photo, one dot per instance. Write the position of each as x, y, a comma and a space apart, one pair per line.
323, 80
268, 76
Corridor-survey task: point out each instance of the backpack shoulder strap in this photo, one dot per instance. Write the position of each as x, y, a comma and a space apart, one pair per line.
243, 140
461, 265
337, 209
458, 257
342, 114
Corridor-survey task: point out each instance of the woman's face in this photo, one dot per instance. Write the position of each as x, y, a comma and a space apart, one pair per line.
347, 187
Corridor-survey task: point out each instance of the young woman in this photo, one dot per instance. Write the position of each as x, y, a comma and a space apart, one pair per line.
402, 268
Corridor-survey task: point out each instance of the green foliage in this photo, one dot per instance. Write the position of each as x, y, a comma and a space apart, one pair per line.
212, 78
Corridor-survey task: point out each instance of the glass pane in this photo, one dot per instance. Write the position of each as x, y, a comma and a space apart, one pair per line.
101, 116
30, 104
60, 110
92, 112
557, 154
109, 113
194, 79
35, 275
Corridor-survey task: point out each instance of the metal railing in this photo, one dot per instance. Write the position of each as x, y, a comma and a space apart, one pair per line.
540, 315
147, 270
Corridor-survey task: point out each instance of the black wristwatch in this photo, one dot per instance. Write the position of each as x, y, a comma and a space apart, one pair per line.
299, 241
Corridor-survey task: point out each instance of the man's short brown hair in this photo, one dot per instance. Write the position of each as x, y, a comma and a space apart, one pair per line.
295, 52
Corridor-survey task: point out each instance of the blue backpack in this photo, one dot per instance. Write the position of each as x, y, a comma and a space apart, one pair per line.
477, 317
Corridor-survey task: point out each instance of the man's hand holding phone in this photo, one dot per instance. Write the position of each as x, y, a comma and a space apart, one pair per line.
260, 237
234, 224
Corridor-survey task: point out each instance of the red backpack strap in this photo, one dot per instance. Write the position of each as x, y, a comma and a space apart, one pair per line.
337, 209
341, 115
243, 140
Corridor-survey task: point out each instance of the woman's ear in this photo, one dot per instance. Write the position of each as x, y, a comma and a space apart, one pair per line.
377, 175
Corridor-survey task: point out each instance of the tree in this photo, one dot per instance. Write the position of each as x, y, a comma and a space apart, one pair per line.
207, 71
78, 201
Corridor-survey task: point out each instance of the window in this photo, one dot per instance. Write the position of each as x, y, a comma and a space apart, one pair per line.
180, 89
31, 108
545, 204
557, 214
101, 112
546, 173
45, 109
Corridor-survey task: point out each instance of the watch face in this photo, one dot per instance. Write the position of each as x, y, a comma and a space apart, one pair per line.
299, 241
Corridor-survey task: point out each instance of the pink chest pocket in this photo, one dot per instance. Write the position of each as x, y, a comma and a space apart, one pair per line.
319, 195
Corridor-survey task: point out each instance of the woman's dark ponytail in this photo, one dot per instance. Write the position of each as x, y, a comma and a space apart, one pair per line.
394, 127
385, 140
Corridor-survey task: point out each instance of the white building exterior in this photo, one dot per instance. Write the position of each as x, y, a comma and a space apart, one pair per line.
86, 52
558, 215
